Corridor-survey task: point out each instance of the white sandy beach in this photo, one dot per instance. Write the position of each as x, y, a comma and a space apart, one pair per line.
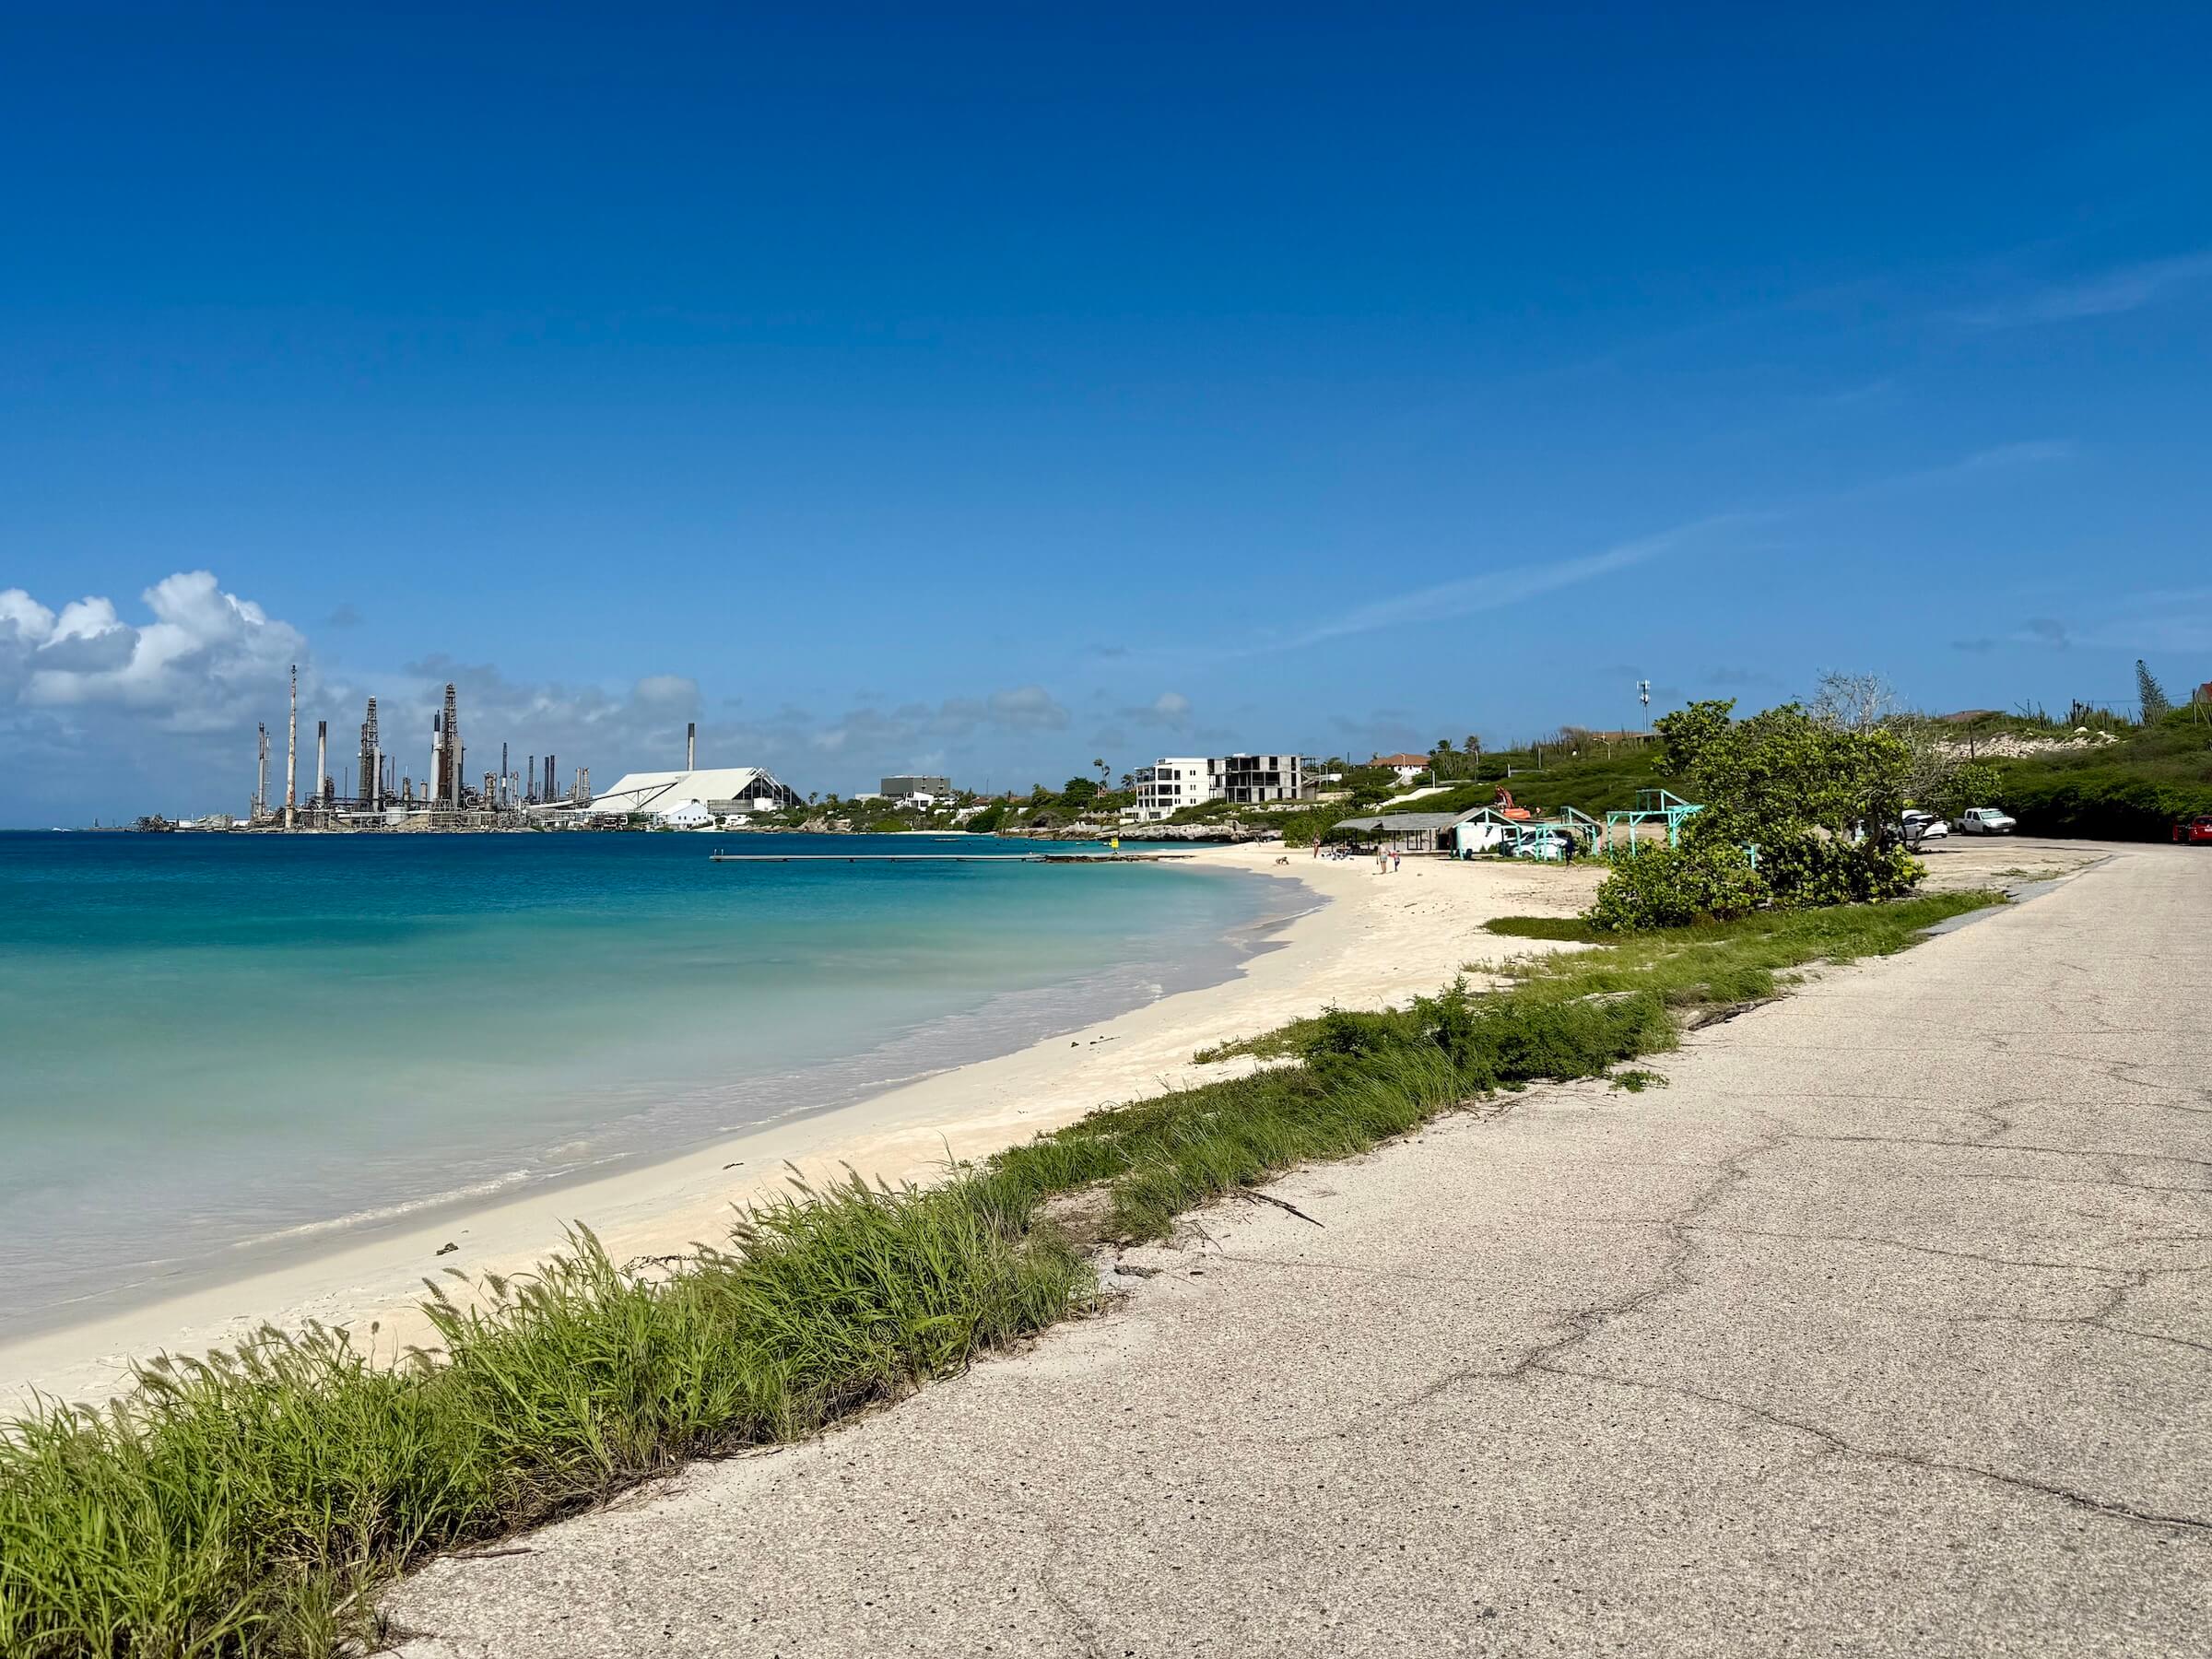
1378, 939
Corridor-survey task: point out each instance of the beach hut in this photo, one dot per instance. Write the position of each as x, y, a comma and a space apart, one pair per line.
1407, 831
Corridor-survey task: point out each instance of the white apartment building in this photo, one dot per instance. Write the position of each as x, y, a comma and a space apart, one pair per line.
1174, 782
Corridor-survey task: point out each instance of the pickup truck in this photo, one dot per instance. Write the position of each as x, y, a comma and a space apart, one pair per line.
2196, 832
1985, 820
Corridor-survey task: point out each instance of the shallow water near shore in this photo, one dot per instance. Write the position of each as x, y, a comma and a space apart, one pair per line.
224, 1050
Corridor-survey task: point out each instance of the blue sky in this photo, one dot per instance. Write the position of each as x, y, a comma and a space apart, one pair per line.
990, 389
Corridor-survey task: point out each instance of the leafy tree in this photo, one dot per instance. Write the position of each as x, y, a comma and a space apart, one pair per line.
1304, 827
1958, 786
2155, 703
1797, 813
1938, 776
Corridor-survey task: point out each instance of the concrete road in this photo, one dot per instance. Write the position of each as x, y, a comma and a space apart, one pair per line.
1887, 1328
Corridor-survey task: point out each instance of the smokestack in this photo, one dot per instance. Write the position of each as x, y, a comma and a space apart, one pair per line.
370, 777
502, 793
430, 779
691, 747
261, 772
448, 783
291, 756
322, 759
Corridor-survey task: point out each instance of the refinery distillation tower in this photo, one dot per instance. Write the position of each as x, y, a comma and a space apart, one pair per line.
377, 795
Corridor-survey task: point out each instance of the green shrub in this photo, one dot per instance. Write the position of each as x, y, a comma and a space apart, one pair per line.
1701, 880
1807, 869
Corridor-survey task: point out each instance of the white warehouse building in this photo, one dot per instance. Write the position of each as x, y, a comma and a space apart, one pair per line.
720, 790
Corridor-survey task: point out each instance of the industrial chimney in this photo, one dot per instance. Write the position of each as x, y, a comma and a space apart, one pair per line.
691, 747
369, 779
291, 757
323, 762
450, 781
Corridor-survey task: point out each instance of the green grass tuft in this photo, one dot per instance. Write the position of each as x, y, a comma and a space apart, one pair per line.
247, 1503
1569, 929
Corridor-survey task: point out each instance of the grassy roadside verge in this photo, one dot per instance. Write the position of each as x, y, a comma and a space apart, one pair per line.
252, 1503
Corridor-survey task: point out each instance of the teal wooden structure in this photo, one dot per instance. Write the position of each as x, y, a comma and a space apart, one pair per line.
1652, 807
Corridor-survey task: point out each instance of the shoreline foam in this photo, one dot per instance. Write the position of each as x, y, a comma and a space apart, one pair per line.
1374, 939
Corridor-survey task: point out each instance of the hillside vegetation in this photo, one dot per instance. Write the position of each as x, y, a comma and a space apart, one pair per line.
2129, 789
1594, 782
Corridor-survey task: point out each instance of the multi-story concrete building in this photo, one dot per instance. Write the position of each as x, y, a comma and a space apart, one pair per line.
906, 787
1247, 780
1174, 782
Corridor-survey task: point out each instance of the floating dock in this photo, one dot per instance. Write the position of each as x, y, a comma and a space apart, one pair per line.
720, 858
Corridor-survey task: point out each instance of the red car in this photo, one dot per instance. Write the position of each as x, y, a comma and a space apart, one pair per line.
2196, 832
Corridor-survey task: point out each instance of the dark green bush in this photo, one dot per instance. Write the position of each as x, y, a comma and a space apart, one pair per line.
1808, 869
1701, 880
2104, 805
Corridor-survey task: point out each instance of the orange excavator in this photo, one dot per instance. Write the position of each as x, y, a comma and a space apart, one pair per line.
1504, 807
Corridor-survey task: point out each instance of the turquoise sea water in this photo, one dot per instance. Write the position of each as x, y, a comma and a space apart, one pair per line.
220, 1048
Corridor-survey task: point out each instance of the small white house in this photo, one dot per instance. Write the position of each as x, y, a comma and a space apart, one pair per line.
1408, 767
685, 815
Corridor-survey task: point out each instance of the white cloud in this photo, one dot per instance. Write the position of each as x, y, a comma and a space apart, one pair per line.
1527, 578
1170, 709
206, 659
668, 690
1031, 708
2101, 294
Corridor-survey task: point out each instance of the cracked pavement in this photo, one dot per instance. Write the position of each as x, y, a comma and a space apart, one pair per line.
1885, 1328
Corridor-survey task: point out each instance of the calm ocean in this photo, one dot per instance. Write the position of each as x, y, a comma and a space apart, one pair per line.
221, 1047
